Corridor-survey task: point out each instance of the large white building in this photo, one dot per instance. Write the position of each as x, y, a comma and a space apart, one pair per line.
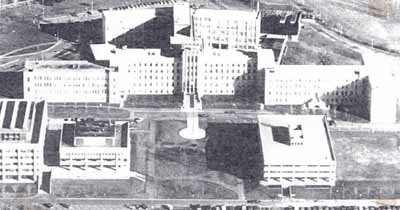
297, 151
227, 29
220, 72
120, 21
66, 81
90, 148
210, 40
203, 71
295, 84
22, 132
218, 29
140, 71
354, 89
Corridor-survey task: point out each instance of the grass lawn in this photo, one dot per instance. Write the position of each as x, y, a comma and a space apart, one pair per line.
182, 168
229, 102
153, 101
352, 190
90, 112
201, 189
357, 23
11, 84
14, 190
366, 156
315, 48
17, 29
76, 188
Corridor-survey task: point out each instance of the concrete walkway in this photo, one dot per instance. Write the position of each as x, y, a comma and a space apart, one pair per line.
27, 47
55, 45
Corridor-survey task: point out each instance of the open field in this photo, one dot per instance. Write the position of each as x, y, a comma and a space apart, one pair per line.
366, 156
11, 85
183, 167
93, 188
315, 48
352, 190
17, 30
354, 19
88, 112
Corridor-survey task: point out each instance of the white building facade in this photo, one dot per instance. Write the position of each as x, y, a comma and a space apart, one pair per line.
352, 89
295, 84
297, 151
22, 133
227, 29
120, 21
219, 72
84, 154
140, 71
66, 81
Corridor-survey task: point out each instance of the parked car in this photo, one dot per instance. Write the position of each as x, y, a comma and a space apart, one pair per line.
167, 207
65, 205
253, 201
48, 205
138, 119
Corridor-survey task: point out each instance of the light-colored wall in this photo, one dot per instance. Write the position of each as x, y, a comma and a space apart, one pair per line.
219, 72
116, 157
324, 174
290, 85
236, 29
20, 160
143, 72
66, 85
118, 22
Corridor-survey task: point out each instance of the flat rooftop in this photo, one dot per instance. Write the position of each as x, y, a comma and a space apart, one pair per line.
92, 128
280, 22
94, 133
226, 14
20, 117
54, 65
111, 52
295, 139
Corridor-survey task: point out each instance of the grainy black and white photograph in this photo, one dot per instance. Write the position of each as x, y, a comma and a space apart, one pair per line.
200, 104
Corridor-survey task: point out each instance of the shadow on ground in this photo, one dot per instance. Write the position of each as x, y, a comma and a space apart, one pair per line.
235, 149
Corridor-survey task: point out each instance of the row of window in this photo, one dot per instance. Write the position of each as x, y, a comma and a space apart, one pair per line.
16, 150
101, 84
154, 72
298, 165
150, 91
82, 154
236, 27
74, 78
177, 64
289, 172
152, 77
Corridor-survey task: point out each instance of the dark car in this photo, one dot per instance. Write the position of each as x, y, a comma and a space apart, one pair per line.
253, 201
65, 205
48, 205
